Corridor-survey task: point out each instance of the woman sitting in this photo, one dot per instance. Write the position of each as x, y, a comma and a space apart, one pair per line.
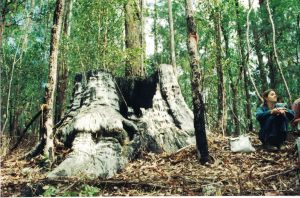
273, 121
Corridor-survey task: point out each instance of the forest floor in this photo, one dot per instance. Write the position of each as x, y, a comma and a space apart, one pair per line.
257, 173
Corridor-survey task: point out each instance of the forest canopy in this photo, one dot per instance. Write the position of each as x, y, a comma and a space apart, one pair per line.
93, 37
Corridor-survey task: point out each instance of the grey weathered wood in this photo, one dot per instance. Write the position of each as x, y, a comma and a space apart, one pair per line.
103, 140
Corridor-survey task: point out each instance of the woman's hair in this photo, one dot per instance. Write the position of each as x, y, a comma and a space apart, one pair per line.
265, 95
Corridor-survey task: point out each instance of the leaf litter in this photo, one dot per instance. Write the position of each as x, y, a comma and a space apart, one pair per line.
257, 173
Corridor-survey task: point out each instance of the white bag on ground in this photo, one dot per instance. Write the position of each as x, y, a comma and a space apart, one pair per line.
241, 144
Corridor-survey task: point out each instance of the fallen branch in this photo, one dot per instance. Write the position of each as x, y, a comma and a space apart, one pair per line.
25, 130
35, 151
111, 183
281, 173
69, 187
263, 159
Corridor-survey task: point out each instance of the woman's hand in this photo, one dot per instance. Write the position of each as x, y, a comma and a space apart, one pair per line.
278, 111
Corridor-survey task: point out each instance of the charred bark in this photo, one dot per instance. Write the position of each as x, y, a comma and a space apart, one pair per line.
198, 104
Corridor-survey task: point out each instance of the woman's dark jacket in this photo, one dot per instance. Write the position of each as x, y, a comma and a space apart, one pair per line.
273, 128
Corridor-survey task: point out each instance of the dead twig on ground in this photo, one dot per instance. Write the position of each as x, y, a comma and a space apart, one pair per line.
281, 173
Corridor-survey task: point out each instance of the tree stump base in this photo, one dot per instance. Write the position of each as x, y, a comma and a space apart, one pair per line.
112, 119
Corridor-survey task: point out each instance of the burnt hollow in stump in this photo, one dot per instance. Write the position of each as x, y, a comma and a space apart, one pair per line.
136, 93
111, 120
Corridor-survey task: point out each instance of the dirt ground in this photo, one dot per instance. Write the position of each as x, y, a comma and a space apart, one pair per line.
256, 173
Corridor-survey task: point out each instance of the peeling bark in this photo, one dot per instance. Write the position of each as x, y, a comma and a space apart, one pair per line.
198, 104
48, 116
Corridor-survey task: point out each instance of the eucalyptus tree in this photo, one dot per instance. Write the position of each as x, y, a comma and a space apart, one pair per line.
6, 7
155, 24
198, 104
275, 51
13, 49
243, 68
97, 37
221, 89
255, 23
231, 67
285, 19
132, 38
63, 70
48, 117
248, 72
172, 41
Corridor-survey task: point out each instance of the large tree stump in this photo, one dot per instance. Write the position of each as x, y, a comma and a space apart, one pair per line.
112, 119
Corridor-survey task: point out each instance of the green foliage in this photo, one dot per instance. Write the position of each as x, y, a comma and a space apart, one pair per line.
97, 42
88, 190
70, 194
50, 191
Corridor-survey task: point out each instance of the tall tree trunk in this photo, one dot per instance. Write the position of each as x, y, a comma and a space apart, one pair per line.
233, 85
132, 38
2, 25
298, 39
68, 17
20, 51
99, 44
48, 116
261, 65
271, 65
172, 40
198, 105
105, 43
221, 89
272, 70
243, 63
64, 69
11, 121
275, 52
155, 33
15, 61
237, 130
28, 23
248, 52
142, 36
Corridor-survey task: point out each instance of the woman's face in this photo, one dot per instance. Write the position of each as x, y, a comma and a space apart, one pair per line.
272, 97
